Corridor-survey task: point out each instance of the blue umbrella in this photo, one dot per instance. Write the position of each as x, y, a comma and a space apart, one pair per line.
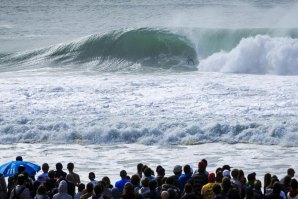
11, 168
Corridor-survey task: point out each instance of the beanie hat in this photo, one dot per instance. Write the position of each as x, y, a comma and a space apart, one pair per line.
211, 177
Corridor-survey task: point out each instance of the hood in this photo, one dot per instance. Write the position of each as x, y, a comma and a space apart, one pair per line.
62, 187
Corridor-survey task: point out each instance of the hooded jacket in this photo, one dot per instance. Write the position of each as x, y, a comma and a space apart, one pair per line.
62, 191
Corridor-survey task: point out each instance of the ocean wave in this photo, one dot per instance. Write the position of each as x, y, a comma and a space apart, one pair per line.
115, 51
261, 54
165, 134
253, 51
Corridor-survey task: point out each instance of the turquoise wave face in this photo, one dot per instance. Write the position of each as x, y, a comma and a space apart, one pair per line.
144, 49
118, 50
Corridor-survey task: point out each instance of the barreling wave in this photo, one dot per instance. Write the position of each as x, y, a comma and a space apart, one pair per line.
138, 49
252, 51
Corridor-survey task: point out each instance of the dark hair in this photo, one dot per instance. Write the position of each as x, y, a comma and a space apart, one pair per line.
123, 174
91, 176
89, 187
81, 187
45, 167
70, 166
294, 184
98, 189
152, 185
216, 189
147, 172
128, 189
276, 188
161, 171
21, 168
41, 190
170, 180
51, 174
188, 188
145, 182
186, 169
19, 158
106, 181
135, 180
59, 166
140, 167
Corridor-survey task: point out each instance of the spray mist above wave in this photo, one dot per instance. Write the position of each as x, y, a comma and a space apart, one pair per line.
114, 51
261, 54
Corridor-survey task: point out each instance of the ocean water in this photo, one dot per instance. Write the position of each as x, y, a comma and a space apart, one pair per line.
125, 77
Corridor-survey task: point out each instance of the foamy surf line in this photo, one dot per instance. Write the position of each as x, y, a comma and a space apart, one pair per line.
108, 160
187, 109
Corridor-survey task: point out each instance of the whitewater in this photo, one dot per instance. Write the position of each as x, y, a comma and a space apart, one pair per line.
109, 84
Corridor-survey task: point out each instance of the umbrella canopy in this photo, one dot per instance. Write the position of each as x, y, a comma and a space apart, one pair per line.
11, 168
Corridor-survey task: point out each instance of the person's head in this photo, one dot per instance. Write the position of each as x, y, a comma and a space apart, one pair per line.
91, 176
170, 180
144, 167
172, 193
59, 166
202, 166
187, 169
135, 180
81, 187
226, 183
276, 188
257, 185
21, 169
147, 172
45, 167
145, 182
41, 190
267, 179
51, 174
21, 179
219, 177
294, 184
128, 189
287, 180
123, 174
19, 158
158, 167
164, 195
63, 186
235, 173
211, 177
291, 172
226, 167
161, 172
106, 181
70, 166
205, 161
98, 189
251, 177
152, 185
89, 187
116, 194
188, 188
226, 173
177, 170
139, 167
216, 189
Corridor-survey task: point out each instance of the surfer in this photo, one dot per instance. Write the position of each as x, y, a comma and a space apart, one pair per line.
190, 61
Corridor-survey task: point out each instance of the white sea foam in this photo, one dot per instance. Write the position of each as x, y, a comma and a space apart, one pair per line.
186, 108
258, 55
